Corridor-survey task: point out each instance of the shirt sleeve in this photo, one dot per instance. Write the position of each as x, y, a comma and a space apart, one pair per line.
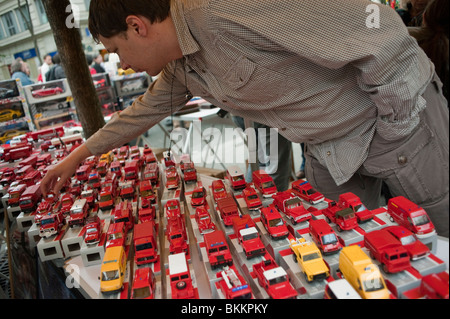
165, 95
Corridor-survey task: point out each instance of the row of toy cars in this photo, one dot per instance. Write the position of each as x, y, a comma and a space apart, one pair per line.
400, 235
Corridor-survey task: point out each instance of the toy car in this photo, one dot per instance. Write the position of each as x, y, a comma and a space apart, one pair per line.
218, 189
181, 286
291, 206
172, 209
203, 219
144, 284
172, 178
416, 249
251, 198
324, 236
232, 284
92, 231
274, 280
47, 92
273, 222
198, 196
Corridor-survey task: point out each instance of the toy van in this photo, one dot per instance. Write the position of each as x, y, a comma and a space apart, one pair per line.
235, 177
30, 198
15, 193
23, 171
82, 174
79, 212
144, 284
324, 236
32, 178
113, 269
145, 249
264, 183
116, 235
364, 276
411, 216
131, 170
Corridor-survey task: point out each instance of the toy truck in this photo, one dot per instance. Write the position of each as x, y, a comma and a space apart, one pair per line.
92, 230
145, 249
248, 236
305, 191
51, 224
94, 180
189, 172
30, 198
147, 195
387, 250
291, 206
274, 280
251, 198
123, 212
217, 249
176, 235
78, 212
309, 259
172, 178
180, 277
107, 197
15, 193
131, 170
82, 174
116, 234
147, 214
411, 216
264, 183
17, 152
228, 209
233, 285
350, 200
151, 173
324, 236
344, 218
67, 201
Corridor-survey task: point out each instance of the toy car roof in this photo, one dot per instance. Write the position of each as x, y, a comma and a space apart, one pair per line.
274, 273
177, 263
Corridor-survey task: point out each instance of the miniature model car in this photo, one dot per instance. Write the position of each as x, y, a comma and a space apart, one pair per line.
227, 209
387, 250
147, 195
51, 224
274, 280
233, 285
145, 248
364, 276
203, 219
235, 177
172, 178
78, 212
198, 196
416, 249
147, 214
92, 231
127, 189
113, 269
47, 92
264, 183
251, 198
410, 215
91, 196
309, 259
350, 200
151, 173
217, 249
324, 236
344, 218
144, 284
435, 286
305, 191
177, 236
273, 222
218, 189
180, 277
116, 235
123, 212
8, 135
9, 114
248, 236
340, 289
172, 209
291, 206
189, 172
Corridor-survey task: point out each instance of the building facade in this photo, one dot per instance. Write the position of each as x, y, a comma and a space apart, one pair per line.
16, 39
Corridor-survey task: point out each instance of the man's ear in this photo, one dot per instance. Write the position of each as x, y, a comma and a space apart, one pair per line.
137, 25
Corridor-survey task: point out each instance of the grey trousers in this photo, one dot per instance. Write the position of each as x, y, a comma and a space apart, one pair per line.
416, 166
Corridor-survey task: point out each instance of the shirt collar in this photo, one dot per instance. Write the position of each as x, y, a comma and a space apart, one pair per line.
187, 42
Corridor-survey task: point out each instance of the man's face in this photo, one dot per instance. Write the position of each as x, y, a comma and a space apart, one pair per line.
48, 60
149, 51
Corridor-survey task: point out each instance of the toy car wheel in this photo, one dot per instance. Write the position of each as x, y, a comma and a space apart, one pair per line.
181, 285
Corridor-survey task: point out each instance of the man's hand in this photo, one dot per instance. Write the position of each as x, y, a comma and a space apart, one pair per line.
58, 174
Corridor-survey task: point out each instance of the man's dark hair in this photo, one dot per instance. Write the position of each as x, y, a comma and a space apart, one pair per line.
107, 18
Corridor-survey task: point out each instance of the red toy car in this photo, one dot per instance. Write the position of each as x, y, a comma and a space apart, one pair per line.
416, 249
248, 236
235, 177
305, 191
324, 236
92, 231
352, 201
273, 222
203, 219
251, 198
116, 235
274, 280
151, 173
264, 183
47, 92
144, 238
217, 249
218, 189
198, 196
189, 172
172, 209
51, 224
410, 215
147, 214
176, 235
180, 277
144, 284
228, 209
123, 212
344, 218
291, 206
172, 178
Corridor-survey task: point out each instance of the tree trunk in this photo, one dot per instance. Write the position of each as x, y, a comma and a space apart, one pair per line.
73, 60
